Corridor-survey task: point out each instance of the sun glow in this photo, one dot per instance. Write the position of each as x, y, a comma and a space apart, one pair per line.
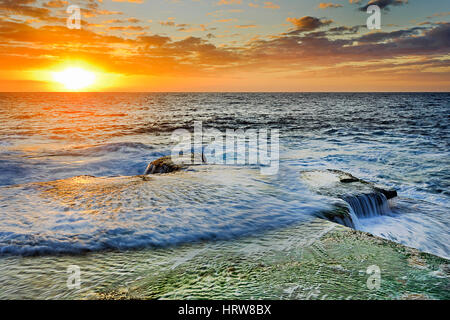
75, 78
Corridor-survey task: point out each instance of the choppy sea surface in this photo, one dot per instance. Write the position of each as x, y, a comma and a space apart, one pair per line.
50, 145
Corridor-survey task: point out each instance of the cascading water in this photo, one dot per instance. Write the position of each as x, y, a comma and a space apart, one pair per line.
366, 206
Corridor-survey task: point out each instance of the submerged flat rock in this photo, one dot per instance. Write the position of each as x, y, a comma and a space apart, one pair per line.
318, 261
306, 260
339, 183
315, 260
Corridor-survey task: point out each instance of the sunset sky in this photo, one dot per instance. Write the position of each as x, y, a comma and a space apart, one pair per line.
227, 45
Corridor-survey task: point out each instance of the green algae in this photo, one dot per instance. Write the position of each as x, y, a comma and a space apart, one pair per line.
331, 267
313, 260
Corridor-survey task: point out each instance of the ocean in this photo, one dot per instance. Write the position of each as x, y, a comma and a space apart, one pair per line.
50, 143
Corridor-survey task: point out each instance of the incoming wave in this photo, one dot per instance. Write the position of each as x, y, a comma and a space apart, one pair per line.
86, 213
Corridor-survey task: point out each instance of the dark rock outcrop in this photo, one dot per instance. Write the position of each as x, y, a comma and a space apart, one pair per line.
389, 194
166, 165
162, 165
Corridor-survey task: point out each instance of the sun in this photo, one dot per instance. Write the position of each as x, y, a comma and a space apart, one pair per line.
75, 78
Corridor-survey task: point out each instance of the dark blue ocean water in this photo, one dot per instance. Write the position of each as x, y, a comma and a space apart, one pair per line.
398, 140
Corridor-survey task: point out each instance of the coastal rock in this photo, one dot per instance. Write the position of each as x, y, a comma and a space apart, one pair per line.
389, 194
166, 165
354, 197
338, 183
339, 214
162, 165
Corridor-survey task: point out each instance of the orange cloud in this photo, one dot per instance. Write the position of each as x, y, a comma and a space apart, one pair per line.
228, 2
308, 23
323, 5
271, 5
56, 4
246, 26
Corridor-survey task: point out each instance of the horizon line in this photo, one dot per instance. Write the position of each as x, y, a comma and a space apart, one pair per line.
1, 92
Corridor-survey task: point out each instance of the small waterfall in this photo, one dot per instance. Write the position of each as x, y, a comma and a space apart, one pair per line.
354, 220
368, 205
